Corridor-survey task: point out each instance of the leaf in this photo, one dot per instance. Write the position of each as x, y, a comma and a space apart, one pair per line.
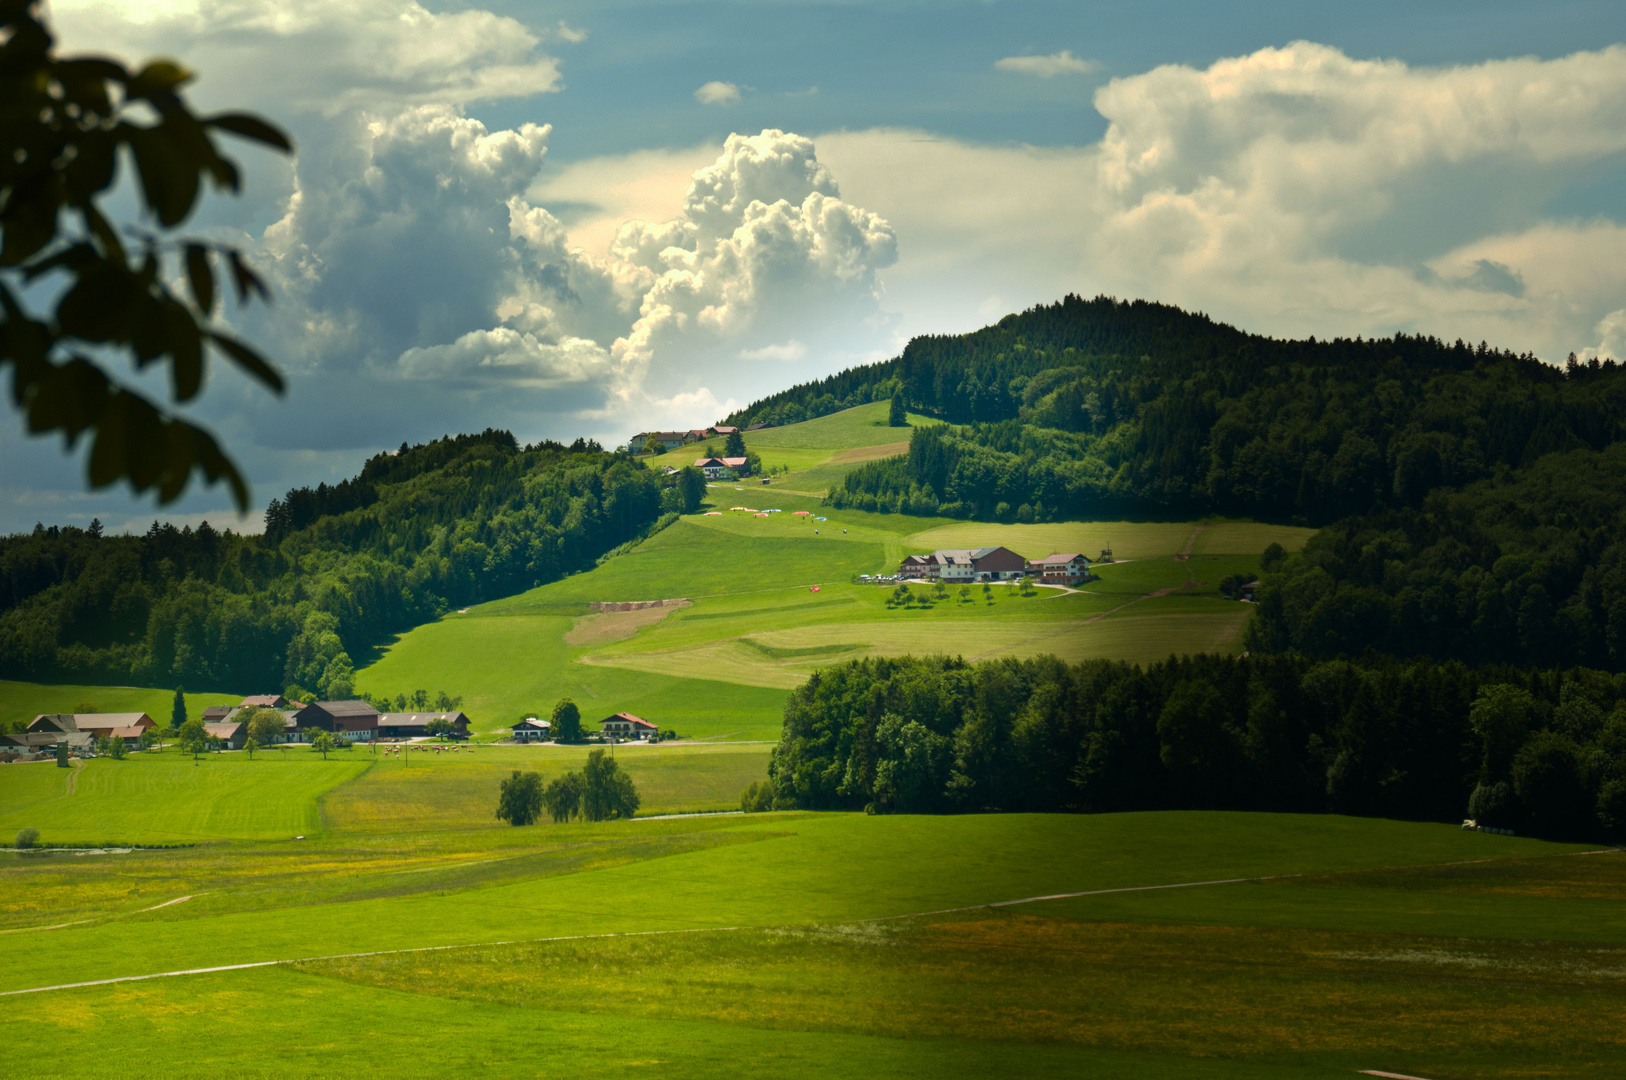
201, 276
159, 75
169, 182
249, 361
246, 280
185, 343
100, 305
251, 127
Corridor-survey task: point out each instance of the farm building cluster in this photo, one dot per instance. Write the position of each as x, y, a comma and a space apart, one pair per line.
966, 565
621, 725
356, 721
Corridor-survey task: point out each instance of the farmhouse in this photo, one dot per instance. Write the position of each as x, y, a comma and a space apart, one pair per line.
717, 468
964, 565
650, 441
531, 729
1062, 569
354, 720
627, 726
413, 725
264, 701
724, 430
233, 733
80, 730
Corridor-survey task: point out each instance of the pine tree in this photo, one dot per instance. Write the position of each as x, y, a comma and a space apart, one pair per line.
177, 712
899, 417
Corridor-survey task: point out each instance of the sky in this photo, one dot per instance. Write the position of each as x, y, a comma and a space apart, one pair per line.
593, 219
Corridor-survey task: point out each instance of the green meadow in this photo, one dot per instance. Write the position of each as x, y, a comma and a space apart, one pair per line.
416, 936
25, 700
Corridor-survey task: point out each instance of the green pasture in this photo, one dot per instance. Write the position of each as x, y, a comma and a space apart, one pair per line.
719, 667
26, 700
800, 949
165, 797
855, 428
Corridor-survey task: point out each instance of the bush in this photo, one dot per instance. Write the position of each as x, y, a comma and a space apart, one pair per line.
1493, 805
27, 838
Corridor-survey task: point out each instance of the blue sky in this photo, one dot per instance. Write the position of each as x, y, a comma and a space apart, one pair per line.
599, 218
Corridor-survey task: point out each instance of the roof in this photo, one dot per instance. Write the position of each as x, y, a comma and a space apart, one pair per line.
627, 717
223, 731
723, 429
669, 436
70, 722
532, 722
262, 701
344, 708
417, 719
133, 732
1059, 560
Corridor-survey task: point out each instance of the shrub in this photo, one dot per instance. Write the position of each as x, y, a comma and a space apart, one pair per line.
758, 797
27, 838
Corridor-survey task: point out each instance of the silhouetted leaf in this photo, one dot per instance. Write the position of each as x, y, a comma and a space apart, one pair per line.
249, 361
185, 348
246, 280
99, 306
200, 276
251, 127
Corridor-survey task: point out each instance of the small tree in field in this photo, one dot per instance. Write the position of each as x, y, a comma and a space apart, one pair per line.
27, 838
265, 726
563, 797
194, 738
567, 722
988, 592
607, 792
519, 799
323, 742
251, 746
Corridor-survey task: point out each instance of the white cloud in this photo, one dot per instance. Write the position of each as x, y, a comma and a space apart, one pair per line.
1611, 331
510, 356
570, 33
718, 93
788, 351
314, 55
1047, 67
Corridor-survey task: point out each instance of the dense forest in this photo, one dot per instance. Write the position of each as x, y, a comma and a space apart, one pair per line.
419, 531
1102, 408
1536, 751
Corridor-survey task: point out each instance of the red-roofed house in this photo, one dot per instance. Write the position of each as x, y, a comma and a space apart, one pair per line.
717, 468
627, 726
1068, 569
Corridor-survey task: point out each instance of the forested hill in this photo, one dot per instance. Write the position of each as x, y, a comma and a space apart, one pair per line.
1091, 408
340, 568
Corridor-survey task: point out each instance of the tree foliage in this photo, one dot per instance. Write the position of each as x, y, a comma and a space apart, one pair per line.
519, 798
444, 525
563, 797
566, 721
1539, 752
606, 791
67, 124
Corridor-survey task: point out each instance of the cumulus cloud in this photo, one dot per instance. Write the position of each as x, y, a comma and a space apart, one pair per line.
787, 351
1047, 67
320, 56
718, 93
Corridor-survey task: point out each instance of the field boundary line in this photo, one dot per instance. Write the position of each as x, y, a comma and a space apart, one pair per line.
1390, 1075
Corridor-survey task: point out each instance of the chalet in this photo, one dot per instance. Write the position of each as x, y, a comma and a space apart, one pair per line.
718, 468
627, 726
233, 734
723, 430
1061, 569
353, 720
414, 725
963, 565
218, 714
663, 440
264, 701
531, 729
45, 742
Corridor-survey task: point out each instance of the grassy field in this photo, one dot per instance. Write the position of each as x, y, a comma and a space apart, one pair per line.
795, 947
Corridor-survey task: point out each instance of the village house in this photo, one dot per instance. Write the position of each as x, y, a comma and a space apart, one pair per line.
627, 726
721, 430
1061, 569
651, 441
399, 725
964, 565
531, 729
718, 468
353, 720
264, 701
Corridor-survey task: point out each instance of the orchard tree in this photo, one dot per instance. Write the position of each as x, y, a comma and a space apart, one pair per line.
67, 125
265, 726
323, 742
194, 738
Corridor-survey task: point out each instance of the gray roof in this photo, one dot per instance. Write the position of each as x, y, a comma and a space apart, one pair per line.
344, 708
417, 719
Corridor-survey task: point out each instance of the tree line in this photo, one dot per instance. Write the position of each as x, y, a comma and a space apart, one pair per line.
420, 531
1531, 750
